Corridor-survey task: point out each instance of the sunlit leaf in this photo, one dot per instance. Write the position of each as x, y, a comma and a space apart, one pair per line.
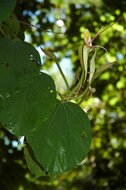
63, 141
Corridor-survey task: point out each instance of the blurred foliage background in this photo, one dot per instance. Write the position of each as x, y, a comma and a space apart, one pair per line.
62, 24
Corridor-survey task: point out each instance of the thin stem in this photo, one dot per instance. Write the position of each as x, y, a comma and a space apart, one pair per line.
2, 31
11, 33
103, 29
39, 28
64, 78
83, 95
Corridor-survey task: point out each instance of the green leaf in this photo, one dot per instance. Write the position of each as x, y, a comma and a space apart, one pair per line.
6, 8
80, 51
32, 163
27, 109
63, 141
92, 67
103, 68
17, 67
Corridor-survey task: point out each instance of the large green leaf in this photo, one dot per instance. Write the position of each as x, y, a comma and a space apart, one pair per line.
17, 69
6, 8
27, 109
63, 141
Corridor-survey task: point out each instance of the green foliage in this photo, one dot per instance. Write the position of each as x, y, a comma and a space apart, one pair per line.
27, 109
59, 144
18, 60
58, 132
103, 168
28, 101
6, 8
32, 163
11, 26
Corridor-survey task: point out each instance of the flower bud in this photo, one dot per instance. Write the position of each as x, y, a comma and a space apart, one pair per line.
87, 38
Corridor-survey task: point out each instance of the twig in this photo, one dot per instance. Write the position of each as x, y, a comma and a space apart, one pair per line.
32, 25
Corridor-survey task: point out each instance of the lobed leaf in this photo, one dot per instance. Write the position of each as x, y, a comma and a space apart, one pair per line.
63, 141
27, 109
17, 68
